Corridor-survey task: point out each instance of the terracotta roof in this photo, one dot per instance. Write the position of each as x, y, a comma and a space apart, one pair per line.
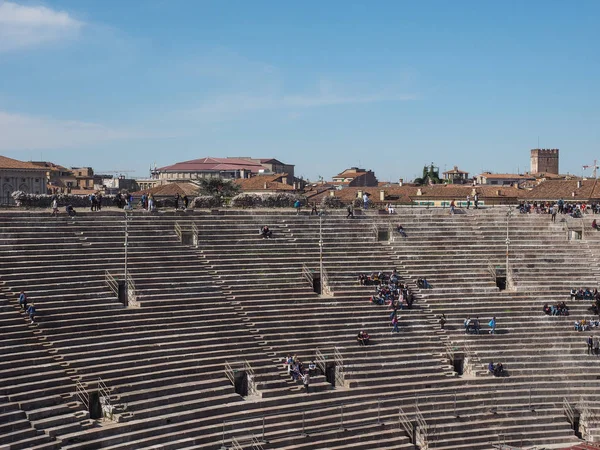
395, 194
455, 170
271, 161
351, 172
460, 191
9, 163
557, 189
257, 183
171, 190
213, 165
50, 166
512, 176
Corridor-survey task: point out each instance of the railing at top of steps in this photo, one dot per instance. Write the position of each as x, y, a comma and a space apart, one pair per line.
111, 282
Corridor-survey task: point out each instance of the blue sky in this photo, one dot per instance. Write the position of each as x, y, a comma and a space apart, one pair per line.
385, 85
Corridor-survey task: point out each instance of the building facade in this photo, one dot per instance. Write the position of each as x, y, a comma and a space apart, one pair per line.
355, 176
20, 176
456, 176
544, 161
227, 168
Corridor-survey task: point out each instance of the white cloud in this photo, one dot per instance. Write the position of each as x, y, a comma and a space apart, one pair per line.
23, 132
29, 26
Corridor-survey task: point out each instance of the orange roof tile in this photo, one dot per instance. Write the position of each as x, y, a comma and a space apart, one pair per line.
514, 176
171, 190
272, 182
565, 189
9, 163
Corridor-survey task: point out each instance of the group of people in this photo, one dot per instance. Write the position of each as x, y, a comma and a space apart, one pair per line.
95, 202
575, 210
27, 308
363, 338
376, 278
585, 325
560, 309
389, 291
69, 208
181, 201
475, 201
585, 294
593, 345
148, 202
474, 326
297, 371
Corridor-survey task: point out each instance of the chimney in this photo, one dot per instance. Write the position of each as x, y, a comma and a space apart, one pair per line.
573, 194
284, 180
382, 196
578, 184
473, 192
295, 186
265, 186
359, 194
498, 192
401, 182
419, 192
516, 185
332, 193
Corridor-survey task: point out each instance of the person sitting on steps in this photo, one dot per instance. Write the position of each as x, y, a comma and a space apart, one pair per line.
400, 230
422, 283
266, 232
363, 338
499, 370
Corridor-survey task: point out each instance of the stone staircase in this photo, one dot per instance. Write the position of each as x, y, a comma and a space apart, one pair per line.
239, 297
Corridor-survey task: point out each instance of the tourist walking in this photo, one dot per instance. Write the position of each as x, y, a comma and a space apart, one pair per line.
31, 312
395, 324
492, 324
350, 211
306, 380
590, 345
54, 207
23, 301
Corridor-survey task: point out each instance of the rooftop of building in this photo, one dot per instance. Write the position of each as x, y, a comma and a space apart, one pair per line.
210, 164
271, 182
171, 190
9, 163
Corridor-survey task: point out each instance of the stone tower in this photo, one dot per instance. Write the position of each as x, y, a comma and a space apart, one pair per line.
544, 160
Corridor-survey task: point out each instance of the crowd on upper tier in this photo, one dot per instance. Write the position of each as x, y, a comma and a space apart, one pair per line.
573, 209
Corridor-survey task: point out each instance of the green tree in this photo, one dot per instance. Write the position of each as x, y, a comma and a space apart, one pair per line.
218, 187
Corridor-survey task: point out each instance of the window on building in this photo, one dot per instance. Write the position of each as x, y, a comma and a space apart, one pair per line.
494, 182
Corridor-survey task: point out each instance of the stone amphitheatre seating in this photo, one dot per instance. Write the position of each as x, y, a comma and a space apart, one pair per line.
238, 297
